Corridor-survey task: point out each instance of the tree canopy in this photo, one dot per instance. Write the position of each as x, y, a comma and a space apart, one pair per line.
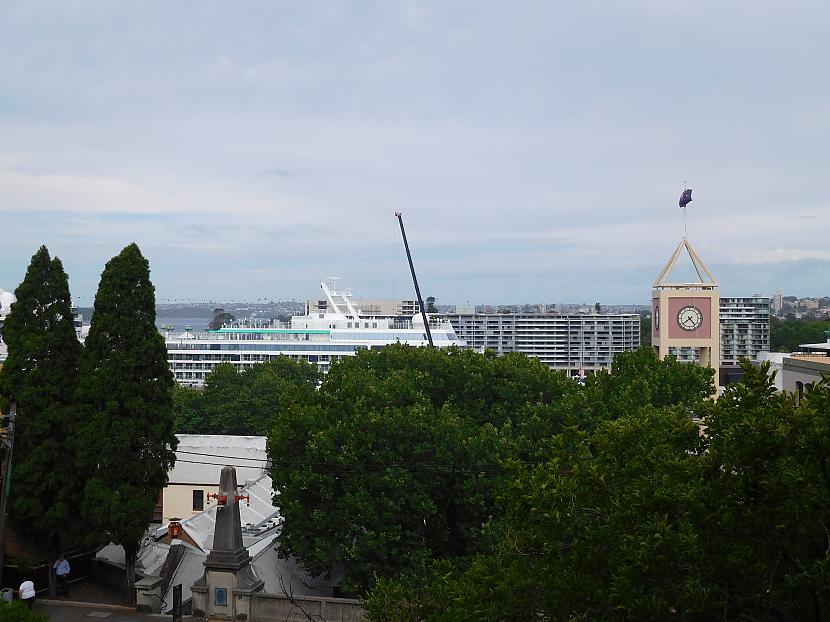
399, 458
599, 531
640, 379
645, 331
18, 611
40, 375
643, 518
788, 335
126, 443
220, 318
244, 403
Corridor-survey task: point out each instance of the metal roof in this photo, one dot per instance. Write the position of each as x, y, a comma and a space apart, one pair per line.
200, 458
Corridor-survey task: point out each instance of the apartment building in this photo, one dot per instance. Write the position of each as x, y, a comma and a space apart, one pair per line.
578, 344
744, 328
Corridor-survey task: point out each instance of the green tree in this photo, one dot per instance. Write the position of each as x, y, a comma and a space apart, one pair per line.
643, 518
222, 387
603, 531
769, 499
126, 444
244, 403
787, 335
397, 457
431, 308
220, 318
264, 391
188, 411
645, 331
640, 379
40, 376
17, 611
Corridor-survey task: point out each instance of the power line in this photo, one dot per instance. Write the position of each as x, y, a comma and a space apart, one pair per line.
331, 466
196, 453
372, 465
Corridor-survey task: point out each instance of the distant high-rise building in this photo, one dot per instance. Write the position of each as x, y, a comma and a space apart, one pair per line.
744, 328
778, 303
578, 344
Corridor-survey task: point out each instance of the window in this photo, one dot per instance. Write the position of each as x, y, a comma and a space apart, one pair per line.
220, 596
198, 500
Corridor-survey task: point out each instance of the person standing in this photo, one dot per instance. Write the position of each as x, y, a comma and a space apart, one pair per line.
61, 567
27, 593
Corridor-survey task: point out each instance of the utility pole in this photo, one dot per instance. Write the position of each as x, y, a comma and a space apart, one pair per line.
8, 442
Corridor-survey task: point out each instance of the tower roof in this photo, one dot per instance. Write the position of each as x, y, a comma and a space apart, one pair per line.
705, 277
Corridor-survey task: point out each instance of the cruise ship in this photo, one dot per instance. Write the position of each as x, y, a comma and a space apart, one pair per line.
318, 337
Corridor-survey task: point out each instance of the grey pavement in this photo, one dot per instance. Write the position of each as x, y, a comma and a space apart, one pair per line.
77, 611
90, 601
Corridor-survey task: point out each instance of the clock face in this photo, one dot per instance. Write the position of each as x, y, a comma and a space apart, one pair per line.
657, 318
689, 318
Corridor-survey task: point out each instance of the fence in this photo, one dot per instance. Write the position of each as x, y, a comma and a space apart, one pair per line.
279, 608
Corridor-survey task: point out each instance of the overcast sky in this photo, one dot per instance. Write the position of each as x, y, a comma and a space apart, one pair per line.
536, 149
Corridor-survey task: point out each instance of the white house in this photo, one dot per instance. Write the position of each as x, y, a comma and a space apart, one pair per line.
199, 460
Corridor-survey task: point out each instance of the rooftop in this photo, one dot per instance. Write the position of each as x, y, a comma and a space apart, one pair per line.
199, 458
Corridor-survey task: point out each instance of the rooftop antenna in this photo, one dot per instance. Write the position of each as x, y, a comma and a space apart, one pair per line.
415, 281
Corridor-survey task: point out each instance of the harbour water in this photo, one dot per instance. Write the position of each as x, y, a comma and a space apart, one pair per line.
179, 324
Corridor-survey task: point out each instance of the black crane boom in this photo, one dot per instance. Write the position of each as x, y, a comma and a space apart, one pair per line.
415, 281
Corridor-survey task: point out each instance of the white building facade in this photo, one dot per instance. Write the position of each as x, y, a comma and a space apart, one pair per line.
578, 344
195, 476
744, 328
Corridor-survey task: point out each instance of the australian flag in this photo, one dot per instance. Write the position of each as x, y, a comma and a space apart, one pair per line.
685, 197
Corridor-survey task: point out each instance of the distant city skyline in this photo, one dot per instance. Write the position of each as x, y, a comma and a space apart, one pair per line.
536, 150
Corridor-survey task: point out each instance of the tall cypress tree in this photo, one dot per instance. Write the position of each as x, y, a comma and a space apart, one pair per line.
126, 443
40, 376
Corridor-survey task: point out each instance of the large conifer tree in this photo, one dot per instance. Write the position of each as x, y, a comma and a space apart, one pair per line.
40, 376
126, 443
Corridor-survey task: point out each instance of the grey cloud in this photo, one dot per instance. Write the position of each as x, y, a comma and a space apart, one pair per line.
529, 147
278, 172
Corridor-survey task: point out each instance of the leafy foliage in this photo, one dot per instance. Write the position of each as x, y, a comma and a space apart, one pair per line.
40, 376
220, 318
602, 530
17, 611
645, 331
769, 490
640, 379
244, 403
788, 335
396, 459
643, 519
126, 443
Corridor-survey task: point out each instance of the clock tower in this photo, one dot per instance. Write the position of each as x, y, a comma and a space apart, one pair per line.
687, 314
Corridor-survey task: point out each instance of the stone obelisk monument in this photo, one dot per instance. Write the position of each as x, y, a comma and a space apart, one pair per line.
224, 591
